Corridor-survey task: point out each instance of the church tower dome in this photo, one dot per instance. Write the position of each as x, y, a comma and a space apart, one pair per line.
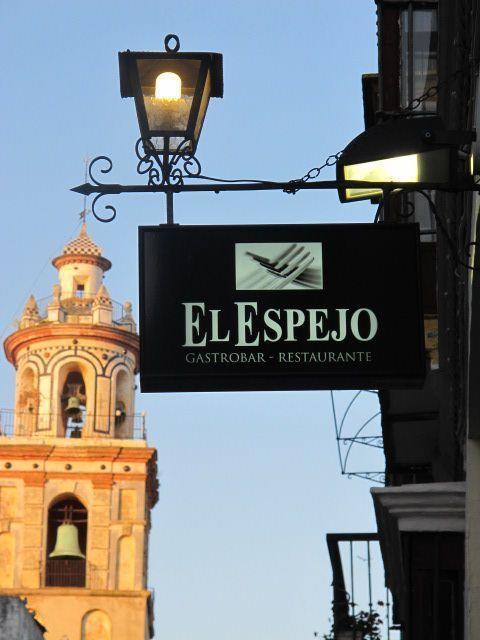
81, 266
79, 343
77, 478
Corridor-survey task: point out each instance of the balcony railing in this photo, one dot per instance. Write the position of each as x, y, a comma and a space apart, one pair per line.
65, 572
26, 423
72, 572
360, 600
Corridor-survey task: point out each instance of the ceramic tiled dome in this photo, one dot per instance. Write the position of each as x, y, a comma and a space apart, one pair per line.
82, 245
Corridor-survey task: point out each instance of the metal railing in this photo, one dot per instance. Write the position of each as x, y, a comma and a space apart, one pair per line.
27, 423
361, 607
65, 572
71, 572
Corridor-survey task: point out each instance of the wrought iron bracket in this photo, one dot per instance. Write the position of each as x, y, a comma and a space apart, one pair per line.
357, 436
167, 172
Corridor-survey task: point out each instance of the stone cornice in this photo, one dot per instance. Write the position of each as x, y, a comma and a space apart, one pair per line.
136, 455
80, 454
99, 479
44, 331
432, 507
24, 451
93, 453
75, 592
436, 506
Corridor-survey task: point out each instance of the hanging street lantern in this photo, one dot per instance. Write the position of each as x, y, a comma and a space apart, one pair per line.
401, 150
172, 91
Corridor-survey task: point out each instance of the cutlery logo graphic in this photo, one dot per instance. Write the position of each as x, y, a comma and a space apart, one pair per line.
278, 265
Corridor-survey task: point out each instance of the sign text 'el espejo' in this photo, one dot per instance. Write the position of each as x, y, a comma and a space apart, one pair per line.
280, 307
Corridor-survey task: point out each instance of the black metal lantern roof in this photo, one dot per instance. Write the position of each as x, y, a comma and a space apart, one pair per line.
127, 59
172, 91
395, 137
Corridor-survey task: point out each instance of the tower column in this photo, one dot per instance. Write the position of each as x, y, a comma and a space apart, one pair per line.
77, 479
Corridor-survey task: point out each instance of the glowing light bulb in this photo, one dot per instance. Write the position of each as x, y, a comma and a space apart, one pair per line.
168, 86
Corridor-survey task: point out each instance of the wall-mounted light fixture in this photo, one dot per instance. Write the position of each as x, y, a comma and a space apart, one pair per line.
411, 150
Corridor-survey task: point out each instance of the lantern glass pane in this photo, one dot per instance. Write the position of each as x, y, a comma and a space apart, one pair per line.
400, 169
203, 106
173, 143
168, 87
429, 166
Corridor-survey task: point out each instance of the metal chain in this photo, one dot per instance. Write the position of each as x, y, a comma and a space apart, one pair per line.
331, 161
431, 92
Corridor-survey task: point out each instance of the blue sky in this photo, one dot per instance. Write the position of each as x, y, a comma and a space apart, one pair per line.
250, 482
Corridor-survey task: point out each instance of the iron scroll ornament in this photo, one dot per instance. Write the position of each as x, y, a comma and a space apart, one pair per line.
108, 207
162, 170
166, 173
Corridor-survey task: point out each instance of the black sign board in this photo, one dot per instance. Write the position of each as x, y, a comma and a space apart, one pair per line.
227, 308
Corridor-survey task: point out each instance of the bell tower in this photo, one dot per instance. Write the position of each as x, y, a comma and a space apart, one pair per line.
77, 479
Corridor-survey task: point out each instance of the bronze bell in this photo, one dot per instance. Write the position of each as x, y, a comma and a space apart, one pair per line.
120, 413
67, 542
73, 406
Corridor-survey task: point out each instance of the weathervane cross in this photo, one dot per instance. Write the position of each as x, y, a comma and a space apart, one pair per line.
83, 214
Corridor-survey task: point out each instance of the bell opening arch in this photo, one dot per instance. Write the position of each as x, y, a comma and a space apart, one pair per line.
123, 394
74, 381
67, 528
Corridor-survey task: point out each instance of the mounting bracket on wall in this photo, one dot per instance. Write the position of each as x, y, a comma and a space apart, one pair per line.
167, 173
352, 428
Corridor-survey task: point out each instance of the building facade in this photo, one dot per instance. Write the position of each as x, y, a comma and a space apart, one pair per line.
428, 512
77, 479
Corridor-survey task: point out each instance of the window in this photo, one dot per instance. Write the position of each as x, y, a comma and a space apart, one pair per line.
408, 54
80, 290
418, 56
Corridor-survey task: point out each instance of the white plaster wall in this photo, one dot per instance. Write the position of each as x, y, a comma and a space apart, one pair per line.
88, 274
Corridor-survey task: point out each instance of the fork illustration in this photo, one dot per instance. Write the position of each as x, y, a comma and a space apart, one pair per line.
277, 263
291, 265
